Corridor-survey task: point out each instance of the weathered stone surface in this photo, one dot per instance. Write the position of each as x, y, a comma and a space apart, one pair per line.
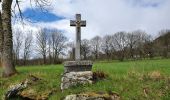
32, 94
93, 96
76, 66
24, 90
84, 62
14, 89
74, 78
78, 23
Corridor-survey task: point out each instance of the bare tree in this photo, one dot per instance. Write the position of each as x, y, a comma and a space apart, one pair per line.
140, 44
58, 44
133, 39
27, 46
42, 44
120, 40
149, 48
106, 45
17, 42
143, 37
85, 48
96, 46
50, 49
164, 41
71, 50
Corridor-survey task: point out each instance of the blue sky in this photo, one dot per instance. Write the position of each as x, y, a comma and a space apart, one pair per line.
38, 15
103, 16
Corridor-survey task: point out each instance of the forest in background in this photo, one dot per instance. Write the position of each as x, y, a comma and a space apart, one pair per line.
53, 47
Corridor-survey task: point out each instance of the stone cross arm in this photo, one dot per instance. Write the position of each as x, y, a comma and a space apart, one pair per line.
78, 23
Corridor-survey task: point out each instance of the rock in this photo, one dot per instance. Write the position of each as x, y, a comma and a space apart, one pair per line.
93, 96
71, 97
14, 89
31, 94
74, 78
24, 90
82, 97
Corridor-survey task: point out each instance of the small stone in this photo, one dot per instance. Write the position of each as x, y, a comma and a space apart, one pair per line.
30, 94
92, 96
71, 97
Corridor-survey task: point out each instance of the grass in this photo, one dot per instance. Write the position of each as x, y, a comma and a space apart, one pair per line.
131, 79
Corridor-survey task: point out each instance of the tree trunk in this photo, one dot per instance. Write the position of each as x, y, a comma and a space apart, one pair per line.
24, 60
7, 63
44, 59
1, 40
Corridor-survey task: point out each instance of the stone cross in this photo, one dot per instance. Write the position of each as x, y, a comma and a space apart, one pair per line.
78, 23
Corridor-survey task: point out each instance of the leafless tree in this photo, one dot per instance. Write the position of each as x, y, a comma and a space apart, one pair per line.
85, 48
133, 39
120, 40
71, 50
58, 44
96, 46
50, 49
42, 44
17, 42
106, 45
143, 37
27, 46
164, 42
149, 49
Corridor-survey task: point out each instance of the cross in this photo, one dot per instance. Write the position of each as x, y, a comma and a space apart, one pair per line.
78, 23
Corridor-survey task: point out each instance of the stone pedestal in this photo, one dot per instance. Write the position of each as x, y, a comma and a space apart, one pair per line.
77, 66
76, 72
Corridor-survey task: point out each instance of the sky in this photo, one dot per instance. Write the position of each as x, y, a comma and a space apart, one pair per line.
102, 16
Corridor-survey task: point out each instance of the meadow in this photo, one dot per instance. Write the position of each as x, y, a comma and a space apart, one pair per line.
132, 80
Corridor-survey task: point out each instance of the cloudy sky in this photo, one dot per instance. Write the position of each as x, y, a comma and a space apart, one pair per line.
102, 16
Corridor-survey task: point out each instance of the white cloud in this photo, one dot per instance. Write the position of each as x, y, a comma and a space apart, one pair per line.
109, 16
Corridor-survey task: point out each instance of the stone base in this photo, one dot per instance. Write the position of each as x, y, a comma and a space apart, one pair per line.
75, 78
76, 66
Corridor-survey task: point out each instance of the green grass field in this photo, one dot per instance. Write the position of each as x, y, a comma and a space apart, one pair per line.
132, 80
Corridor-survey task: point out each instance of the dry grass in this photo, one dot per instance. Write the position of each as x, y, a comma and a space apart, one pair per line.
99, 75
155, 75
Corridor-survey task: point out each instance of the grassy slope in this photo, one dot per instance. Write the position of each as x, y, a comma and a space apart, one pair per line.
124, 78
